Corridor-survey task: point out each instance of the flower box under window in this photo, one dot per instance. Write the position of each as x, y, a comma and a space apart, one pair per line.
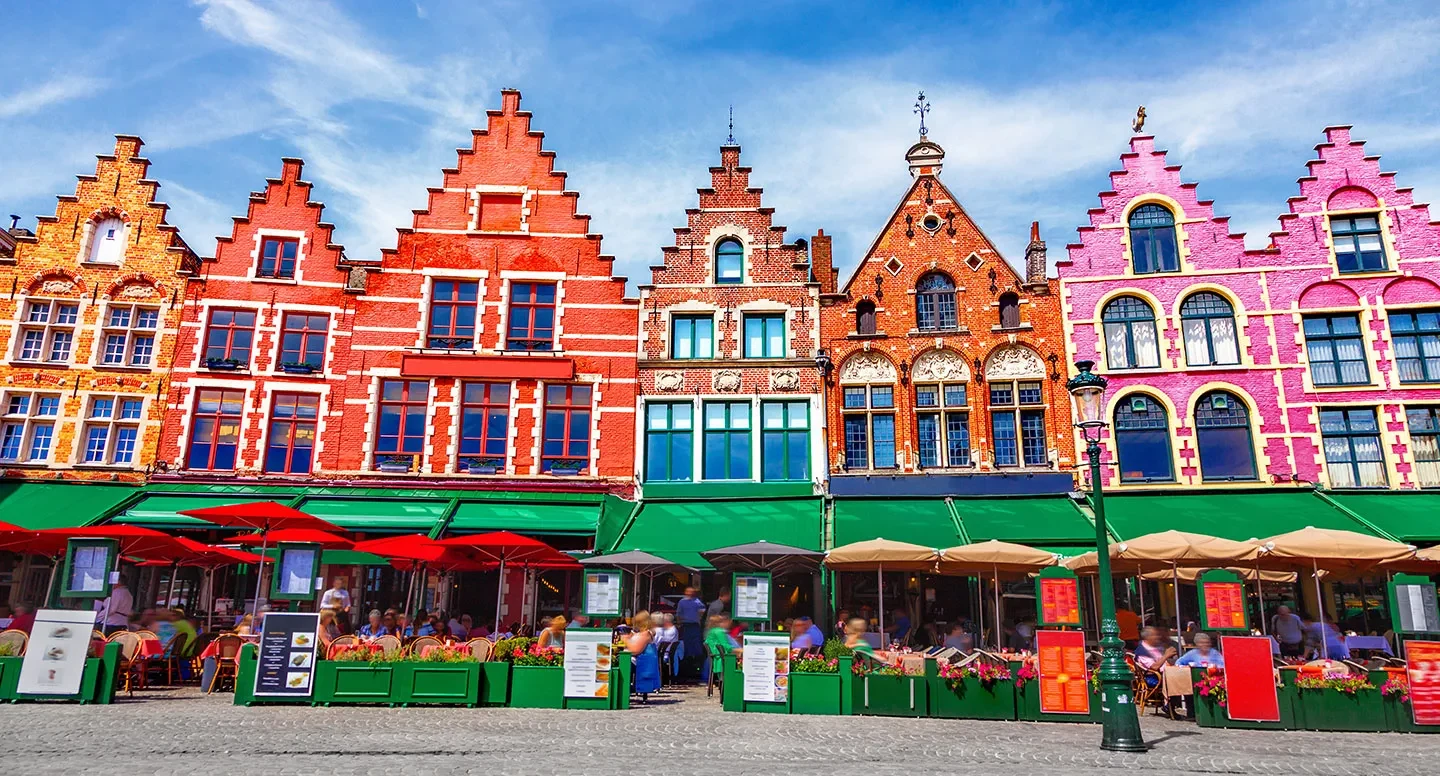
224, 364
474, 465
297, 368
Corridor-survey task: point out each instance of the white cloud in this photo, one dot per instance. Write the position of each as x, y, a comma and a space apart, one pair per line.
60, 89
204, 218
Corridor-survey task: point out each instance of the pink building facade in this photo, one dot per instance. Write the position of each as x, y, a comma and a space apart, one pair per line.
1313, 361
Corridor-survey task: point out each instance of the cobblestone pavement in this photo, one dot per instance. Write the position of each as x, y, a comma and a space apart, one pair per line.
184, 732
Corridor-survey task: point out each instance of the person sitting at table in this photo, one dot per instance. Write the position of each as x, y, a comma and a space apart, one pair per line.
800, 635
960, 639
1153, 650
460, 628
375, 628
184, 630
24, 618
667, 632
641, 645
855, 636
553, 635
1203, 654
329, 630
1324, 630
718, 641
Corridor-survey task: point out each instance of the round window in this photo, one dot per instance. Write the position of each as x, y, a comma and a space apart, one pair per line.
931, 222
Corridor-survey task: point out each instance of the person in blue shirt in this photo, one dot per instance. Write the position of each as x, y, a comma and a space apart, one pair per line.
899, 628
375, 628
1204, 655
689, 616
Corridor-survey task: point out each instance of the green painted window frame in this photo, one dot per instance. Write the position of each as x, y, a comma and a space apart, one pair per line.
784, 435
731, 436
765, 321
68, 590
661, 440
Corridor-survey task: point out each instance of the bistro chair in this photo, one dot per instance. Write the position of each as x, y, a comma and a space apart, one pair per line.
132, 665
339, 644
147, 635
17, 640
667, 657
227, 660
387, 643
717, 669
480, 648
419, 646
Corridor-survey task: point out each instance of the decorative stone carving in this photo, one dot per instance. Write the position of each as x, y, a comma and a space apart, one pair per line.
57, 287
138, 291
356, 279
669, 381
727, 381
784, 380
1012, 362
867, 367
935, 366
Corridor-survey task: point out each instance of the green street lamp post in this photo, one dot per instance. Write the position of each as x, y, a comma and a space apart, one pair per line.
1119, 718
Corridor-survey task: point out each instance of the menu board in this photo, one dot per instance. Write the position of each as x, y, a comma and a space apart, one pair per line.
1064, 684
766, 661
752, 597
1250, 692
587, 662
602, 593
54, 660
88, 564
287, 654
1413, 608
1222, 597
299, 567
1059, 600
1422, 665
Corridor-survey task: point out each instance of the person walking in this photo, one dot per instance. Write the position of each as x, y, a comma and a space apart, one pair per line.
720, 606
690, 617
1289, 630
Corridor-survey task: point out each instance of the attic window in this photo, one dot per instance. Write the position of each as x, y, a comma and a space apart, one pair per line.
930, 223
974, 261
893, 266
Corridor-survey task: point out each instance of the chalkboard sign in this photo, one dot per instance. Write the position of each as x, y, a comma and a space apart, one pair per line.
1412, 604
287, 654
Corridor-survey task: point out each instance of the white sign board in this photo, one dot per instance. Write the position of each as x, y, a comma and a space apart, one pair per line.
587, 663
766, 662
55, 658
602, 593
752, 597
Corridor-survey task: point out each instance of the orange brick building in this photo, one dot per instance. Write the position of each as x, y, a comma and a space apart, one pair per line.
88, 315
947, 360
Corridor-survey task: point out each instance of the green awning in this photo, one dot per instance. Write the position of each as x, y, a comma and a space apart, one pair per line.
371, 514
41, 505
923, 521
1410, 517
162, 510
526, 517
1234, 515
680, 530
1049, 520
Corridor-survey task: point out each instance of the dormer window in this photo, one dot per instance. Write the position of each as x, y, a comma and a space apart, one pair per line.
1358, 247
935, 303
1152, 240
1009, 310
729, 262
277, 258
865, 318
107, 242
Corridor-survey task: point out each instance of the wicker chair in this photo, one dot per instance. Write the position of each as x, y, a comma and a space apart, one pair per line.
341, 642
227, 660
17, 640
418, 646
132, 665
388, 643
481, 649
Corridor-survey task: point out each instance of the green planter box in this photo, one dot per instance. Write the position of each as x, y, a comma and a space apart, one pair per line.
1209, 714
455, 684
543, 687
1027, 703
1400, 719
1332, 710
494, 683
890, 696
97, 683
346, 682
971, 699
245, 682
815, 693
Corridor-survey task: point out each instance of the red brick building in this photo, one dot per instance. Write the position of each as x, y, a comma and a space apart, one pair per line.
730, 328
264, 345
947, 360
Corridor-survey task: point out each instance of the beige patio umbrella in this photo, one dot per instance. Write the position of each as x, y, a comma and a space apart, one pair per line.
1426, 561
995, 557
1246, 573
1332, 550
1173, 549
880, 554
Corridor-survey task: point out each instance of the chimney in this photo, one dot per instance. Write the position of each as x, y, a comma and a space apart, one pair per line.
821, 265
1035, 260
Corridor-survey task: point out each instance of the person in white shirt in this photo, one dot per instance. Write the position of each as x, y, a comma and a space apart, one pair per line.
667, 632
1289, 631
116, 609
337, 599
459, 628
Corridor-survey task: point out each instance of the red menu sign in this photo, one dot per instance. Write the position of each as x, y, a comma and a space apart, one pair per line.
1059, 601
1422, 665
1064, 683
1224, 606
1250, 692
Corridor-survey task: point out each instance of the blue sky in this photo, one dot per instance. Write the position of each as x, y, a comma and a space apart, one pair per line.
1032, 102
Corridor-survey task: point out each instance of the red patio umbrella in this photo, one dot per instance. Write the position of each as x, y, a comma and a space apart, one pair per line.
14, 538
325, 539
411, 553
504, 547
133, 540
263, 517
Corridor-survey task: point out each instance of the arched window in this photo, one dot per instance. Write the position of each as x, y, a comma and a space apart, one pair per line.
729, 261
1142, 440
865, 318
1152, 240
1130, 338
107, 242
1209, 325
935, 302
1009, 310
1222, 432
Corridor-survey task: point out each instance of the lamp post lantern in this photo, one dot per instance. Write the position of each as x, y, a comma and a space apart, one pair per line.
1119, 718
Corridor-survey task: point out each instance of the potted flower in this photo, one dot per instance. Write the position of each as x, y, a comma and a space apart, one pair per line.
896, 688
223, 364
97, 680
1212, 703
394, 464
815, 682
297, 367
567, 467
472, 464
1335, 699
1027, 694
979, 688
537, 679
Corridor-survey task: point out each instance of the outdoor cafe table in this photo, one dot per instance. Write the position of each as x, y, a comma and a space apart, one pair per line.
150, 648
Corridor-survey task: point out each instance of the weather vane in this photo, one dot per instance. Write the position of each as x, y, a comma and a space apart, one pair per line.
731, 139
922, 107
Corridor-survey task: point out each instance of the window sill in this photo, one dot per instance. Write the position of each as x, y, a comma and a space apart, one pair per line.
855, 335
936, 332
1342, 387
24, 464
122, 368
1367, 273
113, 467
43, 364
105, 264
276, 281
723, 363
1021, 327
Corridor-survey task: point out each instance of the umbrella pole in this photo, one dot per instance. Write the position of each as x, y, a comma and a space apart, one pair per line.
1140, 583
50, 588
1320, 613
499, 593
998, 616
210, 604
259, 575
170, 594
880, 602
1260, 594
1175, 582
410, 594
